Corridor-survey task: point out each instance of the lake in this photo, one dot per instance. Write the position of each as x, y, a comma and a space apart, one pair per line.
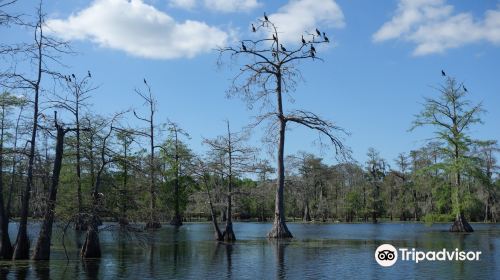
318, 251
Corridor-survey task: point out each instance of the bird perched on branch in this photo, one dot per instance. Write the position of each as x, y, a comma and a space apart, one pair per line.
282, 48
317, 32
88, 72
243, 46
265, 17
313, 49
73, 75
326, 38
443, 73
303, 40
145, 81
465, 89
253, 28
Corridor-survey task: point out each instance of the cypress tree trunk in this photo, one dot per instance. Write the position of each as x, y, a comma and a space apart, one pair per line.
5, 245
279, 229
42, 249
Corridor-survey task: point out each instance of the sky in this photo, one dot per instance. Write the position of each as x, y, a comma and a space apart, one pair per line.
383, 59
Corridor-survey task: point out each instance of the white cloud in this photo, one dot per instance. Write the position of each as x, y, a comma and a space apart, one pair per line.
299, 16
231, 5
433, 27
184, 4
138, 29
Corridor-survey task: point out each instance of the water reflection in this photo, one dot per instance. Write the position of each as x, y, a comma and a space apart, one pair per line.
318, 252
279, 250
91, 268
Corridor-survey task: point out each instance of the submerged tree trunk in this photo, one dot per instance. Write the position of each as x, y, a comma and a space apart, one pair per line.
5, 245
228, 234
461, 224
217, 232
42, 249
307, 215
91, 247
279, 229
177, 218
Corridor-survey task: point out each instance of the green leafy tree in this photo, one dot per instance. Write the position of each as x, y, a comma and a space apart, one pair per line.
452, 115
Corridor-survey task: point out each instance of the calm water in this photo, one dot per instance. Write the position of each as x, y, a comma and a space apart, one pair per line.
319, 251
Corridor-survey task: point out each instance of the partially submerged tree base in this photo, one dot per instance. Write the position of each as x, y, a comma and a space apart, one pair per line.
123, 222
228, 234
279, 230
461, 225
176, 221
153, 225
91, 247
22, 248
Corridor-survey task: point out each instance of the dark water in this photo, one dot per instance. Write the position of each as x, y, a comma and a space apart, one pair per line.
319, 251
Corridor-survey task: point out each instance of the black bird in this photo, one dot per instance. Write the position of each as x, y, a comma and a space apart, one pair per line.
313, 49
443, 73
253, 28
282, 48
90, 76
69, 78
303, 41
326, 38
145, 81
243, 47
265, 17
274, 38
312, 54
465, 89
73, 75
317, 32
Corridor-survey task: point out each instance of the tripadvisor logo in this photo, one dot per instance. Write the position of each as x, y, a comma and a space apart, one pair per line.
387, 255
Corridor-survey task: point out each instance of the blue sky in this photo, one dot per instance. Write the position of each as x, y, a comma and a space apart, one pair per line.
385, 57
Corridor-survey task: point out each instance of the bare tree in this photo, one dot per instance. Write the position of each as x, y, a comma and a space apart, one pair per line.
78, 90
236, 160
7, 101
91, 247
42, 248
43, 52
271, 72
6, 17
150, 101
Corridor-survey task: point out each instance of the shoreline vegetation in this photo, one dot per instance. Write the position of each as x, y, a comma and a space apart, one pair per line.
79, 168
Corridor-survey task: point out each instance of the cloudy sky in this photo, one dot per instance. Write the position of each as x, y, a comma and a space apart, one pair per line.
385, 56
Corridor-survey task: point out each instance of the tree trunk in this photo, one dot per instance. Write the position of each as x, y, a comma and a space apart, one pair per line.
91, 247
177, 219
217, 232
279, 229
5, 245
42, 249
461, 224
307, 215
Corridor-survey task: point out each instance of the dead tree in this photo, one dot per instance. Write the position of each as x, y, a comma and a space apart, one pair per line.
42, 248
43, 52
78, 90
91, 247
153, 222
7, 101
236, 159
270, 73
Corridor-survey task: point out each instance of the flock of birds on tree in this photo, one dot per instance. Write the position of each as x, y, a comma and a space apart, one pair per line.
444, 75
312, 50
68, 78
